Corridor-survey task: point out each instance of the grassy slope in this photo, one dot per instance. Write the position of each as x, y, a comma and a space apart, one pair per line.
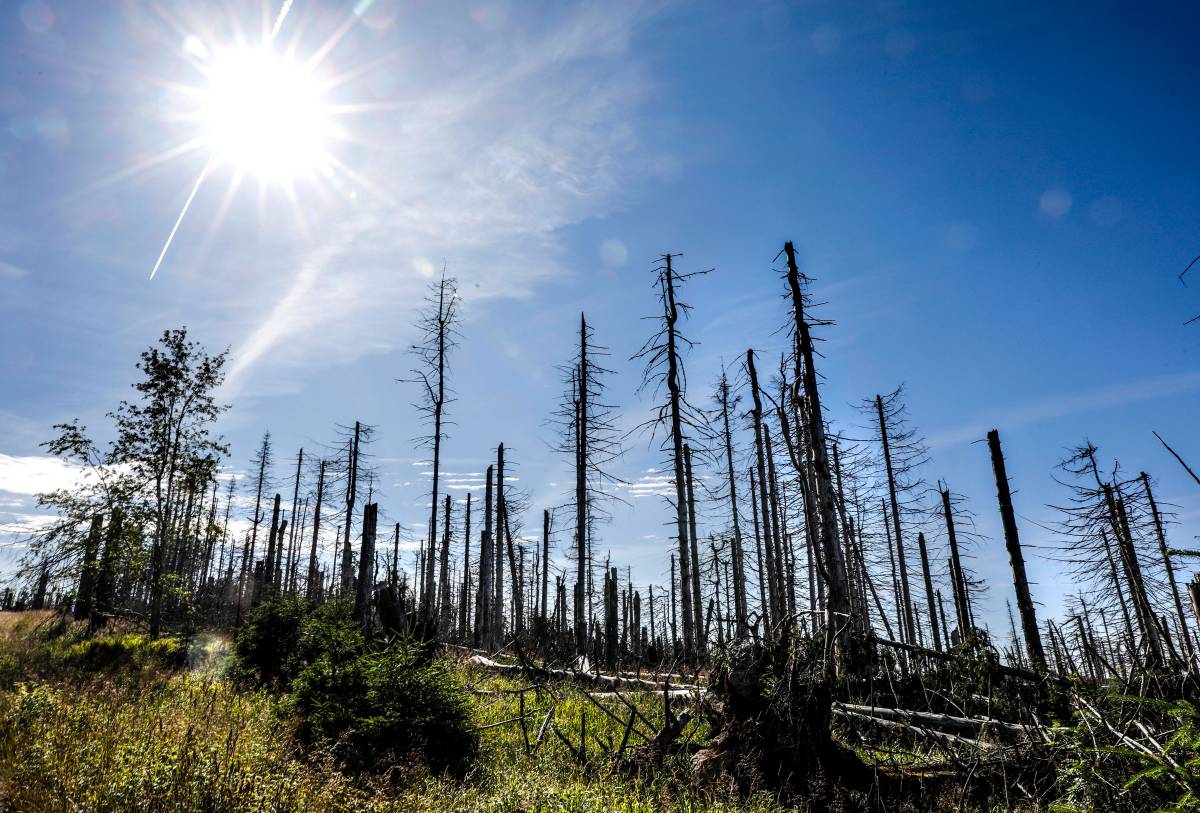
140, 738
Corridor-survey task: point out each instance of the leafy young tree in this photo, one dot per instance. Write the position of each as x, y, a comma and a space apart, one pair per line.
164, 455
167, 434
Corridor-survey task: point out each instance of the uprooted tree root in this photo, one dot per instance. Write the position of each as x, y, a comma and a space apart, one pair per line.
771, 712
769, 708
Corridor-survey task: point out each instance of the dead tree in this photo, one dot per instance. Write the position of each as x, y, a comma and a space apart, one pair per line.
310, 584
1169, 569
837, 606
351, 497
465, 595
697, 601
498, 567
1029, 625
366, 567
588, 438
726, 404
295, 525
610, 618
929, 594
1181, 461
662, 354
443, 599
544, 609
763, 514
262, 462
888, 413
266, 578
438, 325
1102, 547
487, 562
962, 598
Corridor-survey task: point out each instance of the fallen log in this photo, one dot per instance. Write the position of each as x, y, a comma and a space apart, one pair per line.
916, 731
1004, 669
587, 678
973, 725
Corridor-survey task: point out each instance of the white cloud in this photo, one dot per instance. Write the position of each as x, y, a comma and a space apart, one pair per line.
651, 485
36, 474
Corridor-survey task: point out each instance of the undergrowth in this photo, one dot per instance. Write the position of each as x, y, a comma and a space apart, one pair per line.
139, 736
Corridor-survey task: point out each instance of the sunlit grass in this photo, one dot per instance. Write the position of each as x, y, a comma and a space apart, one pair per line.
147, 739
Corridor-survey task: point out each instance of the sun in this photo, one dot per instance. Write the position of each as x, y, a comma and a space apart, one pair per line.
264, 114
263, 108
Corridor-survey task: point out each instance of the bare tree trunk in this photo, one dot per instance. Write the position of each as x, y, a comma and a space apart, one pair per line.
1144, 612
291, 549
518, 597
763, 590
701, 641
1130, 642
674, 624
858, 590
897, 594
545, 608
487, 559
740, 612
351, 495
276, 576
764, 503
465, 596
905, 597
675, 392
1029, 626
444, 609
498, 571
310, 582
366, 567
266, 584
837, 607
610, 618
929, 596
787, 603
581, 496
1175, 455
1180, 615
962, 602
439, 325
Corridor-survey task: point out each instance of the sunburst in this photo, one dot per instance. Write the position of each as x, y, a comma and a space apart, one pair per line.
258, 111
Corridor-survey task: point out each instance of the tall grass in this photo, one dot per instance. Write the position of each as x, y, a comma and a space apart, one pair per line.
141, 738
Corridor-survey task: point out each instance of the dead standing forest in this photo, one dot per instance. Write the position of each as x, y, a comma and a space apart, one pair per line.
821, 640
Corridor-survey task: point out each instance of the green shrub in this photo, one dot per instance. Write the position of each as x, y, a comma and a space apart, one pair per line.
386, 708
329, 630
265, 648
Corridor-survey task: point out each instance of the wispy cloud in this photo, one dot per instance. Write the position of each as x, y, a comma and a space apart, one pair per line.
11, 272
480, 172
1045, 409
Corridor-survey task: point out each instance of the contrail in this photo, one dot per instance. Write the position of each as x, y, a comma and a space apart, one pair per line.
283, 12
182, 212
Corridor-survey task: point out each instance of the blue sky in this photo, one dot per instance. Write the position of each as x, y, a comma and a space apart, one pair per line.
995, 201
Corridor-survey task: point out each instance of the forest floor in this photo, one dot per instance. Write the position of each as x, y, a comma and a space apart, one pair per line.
130, 734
